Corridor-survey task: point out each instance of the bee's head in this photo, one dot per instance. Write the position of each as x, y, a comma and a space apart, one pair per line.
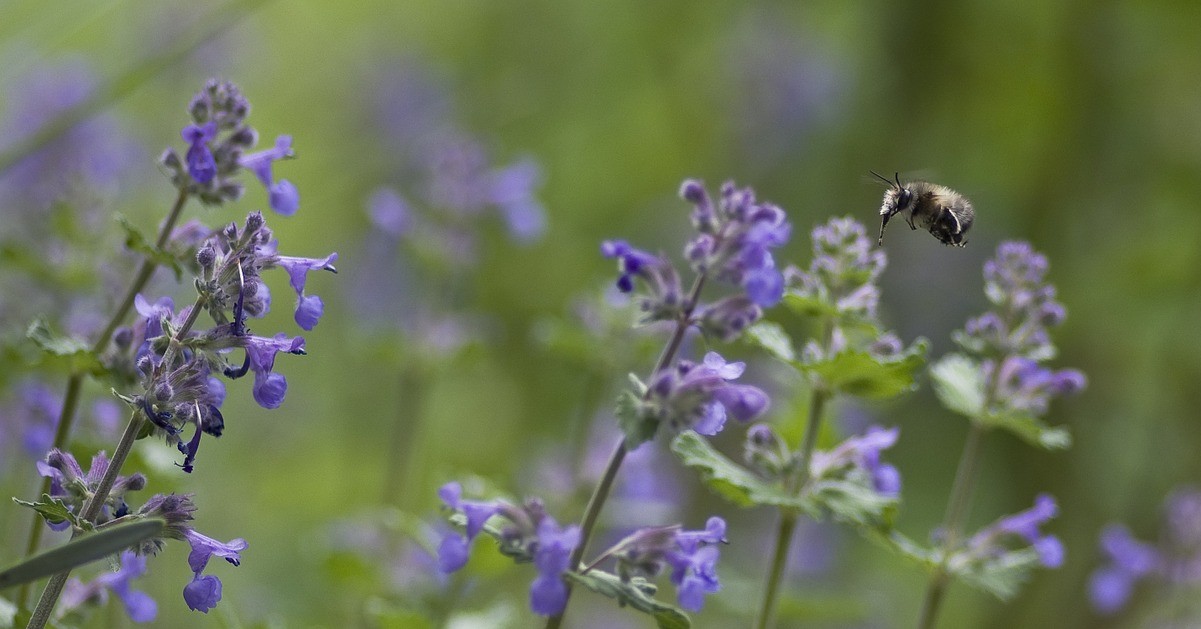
897, 198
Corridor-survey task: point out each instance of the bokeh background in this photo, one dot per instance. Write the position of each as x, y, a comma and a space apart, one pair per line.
1074, 125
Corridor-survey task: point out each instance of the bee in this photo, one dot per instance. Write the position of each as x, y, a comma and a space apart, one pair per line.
943, 212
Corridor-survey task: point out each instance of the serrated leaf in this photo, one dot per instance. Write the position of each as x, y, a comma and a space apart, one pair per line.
53, 510
899, 543
729, 479
1002, 576
959, 384
137, 242
77, 353
638, 428
637, 593
771, 337
861, 374
1031, 429
82, 550
851, 502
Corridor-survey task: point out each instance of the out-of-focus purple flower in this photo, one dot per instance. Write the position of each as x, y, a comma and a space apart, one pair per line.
1172, 562
513, 192
862, 453
138, 605
988, 542
1023, 385
1025, 306
700, 396
548, 593
390, 212
33, 416
282, 195
455, 549
845, 269
665, 298
735, 238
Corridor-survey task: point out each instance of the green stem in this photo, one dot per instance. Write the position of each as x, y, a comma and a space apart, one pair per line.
75, 382
788, 517
957, 508
91, 509
601, 493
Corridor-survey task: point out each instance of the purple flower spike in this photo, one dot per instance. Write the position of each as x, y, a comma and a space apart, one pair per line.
282, 196
694, 575
201, 165
548, 593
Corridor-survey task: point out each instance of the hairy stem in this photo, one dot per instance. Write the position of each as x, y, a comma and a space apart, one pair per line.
957, 508
66, 418
601, 493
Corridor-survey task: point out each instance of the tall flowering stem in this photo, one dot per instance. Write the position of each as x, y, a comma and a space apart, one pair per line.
1011, 340
75, 381
91, 508
601, 493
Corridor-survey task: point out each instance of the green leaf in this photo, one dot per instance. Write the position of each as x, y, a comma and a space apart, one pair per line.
1003, 576
771, 337
861, 374
1031, 429
77, 354
84, 549
854, 503
959, 384
729, 479
53, 510
137, 242
637, 427
809, 306
637, 593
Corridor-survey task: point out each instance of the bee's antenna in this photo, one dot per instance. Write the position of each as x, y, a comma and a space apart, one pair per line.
881, 178
898, 176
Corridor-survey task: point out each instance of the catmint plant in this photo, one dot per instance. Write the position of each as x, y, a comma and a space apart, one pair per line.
166, 367
851, 354
1172, 563
1001, 381
734, 238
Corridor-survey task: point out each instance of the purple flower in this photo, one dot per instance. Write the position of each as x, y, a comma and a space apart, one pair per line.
735, 238
862, 453
269, 387
1023, 385
548, 593
987, 542
699, 396
692, 556
201, 164
513, 189
282, 196
390, 212
69, 484
204, 591
138, 605
309, 308
455, 549
665, 297
845, 269
1025, 306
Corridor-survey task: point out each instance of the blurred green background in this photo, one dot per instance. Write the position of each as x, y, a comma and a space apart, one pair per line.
1074, 125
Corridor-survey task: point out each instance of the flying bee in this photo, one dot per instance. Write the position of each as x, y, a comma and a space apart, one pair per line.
940, 210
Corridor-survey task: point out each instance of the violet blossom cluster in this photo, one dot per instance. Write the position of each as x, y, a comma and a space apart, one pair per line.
530, 534
733, 244
842, 281
990, 542
1173, 562
861, 455
74, 487
701, 396
218, 139
178, 366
